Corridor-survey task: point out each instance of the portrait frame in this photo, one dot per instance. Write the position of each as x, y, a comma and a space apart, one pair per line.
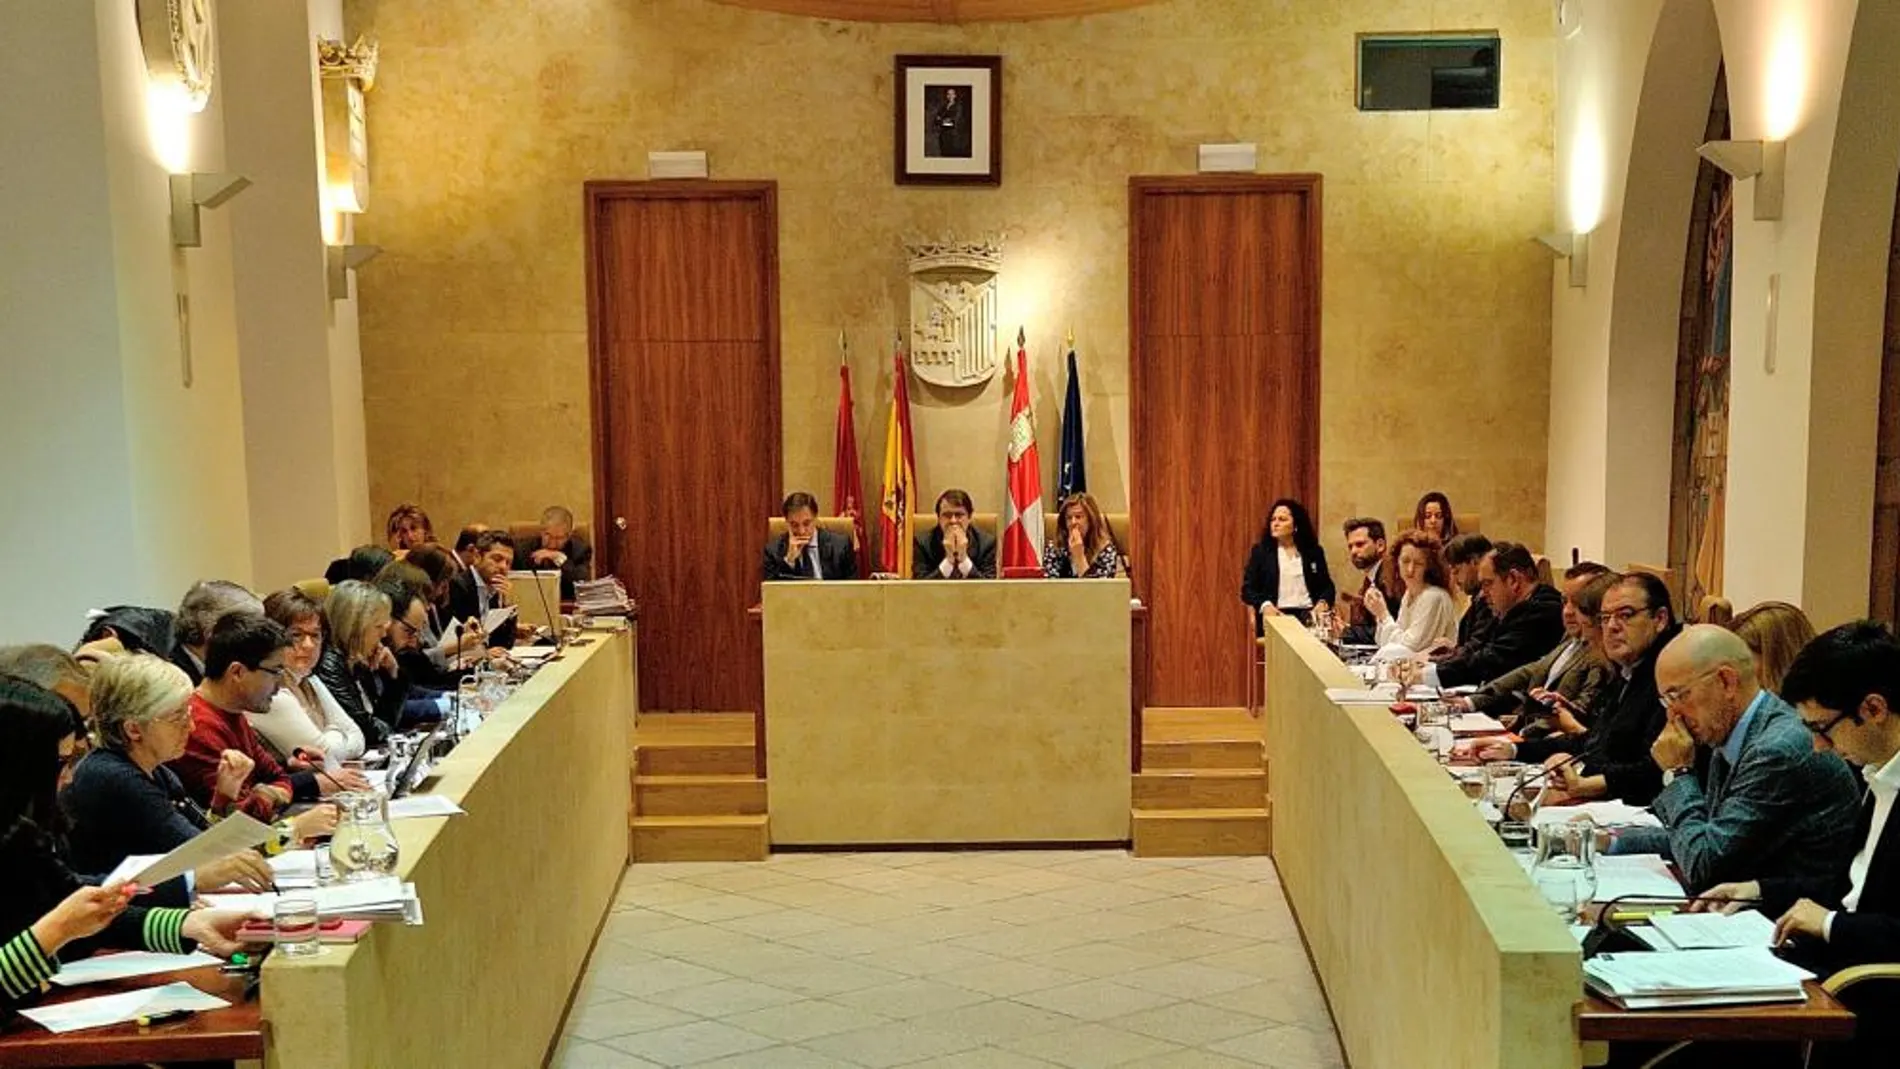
949, 120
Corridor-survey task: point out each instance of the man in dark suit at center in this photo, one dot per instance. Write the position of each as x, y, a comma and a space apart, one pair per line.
954, 549
805, 550
485, 586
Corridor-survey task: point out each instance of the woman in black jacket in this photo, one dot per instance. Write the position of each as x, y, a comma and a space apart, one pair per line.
1286, 572
357, 668
46, 913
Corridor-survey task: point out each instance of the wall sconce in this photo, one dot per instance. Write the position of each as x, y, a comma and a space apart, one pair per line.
1764, 161
196, 190
339, 261
1572, 247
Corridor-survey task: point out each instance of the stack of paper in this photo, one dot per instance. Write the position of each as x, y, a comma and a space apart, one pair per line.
1384, 694
1634, 875
1476, 724
294, 870
1712, 931
127, 1006
602, 597
1602, 814
423, 805
382, 899
1677, 978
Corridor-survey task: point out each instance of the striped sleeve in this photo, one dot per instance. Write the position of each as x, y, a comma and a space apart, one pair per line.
24, 967
163, 931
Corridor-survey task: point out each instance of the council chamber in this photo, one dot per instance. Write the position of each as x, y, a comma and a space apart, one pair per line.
991, 533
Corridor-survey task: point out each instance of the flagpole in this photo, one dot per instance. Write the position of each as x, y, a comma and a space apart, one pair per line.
844, 349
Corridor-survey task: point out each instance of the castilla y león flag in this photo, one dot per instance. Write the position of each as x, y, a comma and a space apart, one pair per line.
847, 485
1022, 522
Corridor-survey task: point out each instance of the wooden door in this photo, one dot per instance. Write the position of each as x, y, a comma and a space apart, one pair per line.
683, 324
1224, 290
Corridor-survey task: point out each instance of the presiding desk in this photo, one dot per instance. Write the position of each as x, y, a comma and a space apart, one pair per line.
947, 712
512, 893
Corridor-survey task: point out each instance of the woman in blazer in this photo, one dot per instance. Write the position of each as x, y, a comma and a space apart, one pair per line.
1286, 572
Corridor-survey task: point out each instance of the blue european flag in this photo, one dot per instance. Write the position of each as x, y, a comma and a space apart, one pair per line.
1072, 478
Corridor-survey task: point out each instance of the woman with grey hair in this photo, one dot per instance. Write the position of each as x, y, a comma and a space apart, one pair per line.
123, 800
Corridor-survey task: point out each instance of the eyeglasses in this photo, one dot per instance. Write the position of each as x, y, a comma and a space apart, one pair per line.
1826, 731
407, 626
306, 638
1622, 616
1674, 695
281, 672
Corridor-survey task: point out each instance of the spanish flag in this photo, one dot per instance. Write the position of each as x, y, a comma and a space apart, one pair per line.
900, 480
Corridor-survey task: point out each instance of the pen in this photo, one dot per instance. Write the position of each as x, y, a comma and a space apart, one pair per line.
147, 1020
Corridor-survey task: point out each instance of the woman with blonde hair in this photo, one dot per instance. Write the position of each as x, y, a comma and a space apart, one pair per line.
1084, 548
1775, 631
1426, 611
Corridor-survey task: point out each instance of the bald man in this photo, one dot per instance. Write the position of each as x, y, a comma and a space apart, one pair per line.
1768, 804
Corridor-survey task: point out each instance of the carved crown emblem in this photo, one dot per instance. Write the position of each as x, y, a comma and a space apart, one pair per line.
984, 254
358, 61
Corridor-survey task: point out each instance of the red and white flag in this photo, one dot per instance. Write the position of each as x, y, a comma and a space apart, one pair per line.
1022, 520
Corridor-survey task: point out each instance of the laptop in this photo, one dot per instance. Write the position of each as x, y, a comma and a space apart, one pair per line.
400, 784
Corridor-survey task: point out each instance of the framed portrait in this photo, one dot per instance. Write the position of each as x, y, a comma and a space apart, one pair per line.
949, 120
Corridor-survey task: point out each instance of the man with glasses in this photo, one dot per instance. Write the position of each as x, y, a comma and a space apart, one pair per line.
226, 766
1612, 759
1846, 688
1768, 802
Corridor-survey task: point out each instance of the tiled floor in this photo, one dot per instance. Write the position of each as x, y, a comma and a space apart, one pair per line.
1002, 959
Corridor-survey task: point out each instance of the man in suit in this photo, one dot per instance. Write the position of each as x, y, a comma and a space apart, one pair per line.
558, 547
1573, 670
1845, 686
954, 549
203, 605
805, 551
1365, 546
1465, 554
1767, 802
484, 585
1530, 620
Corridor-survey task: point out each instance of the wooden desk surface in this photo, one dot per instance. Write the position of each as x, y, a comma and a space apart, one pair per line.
1821, 1018
231, 1033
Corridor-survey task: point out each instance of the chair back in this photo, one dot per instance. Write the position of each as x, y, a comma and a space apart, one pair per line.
1468, 522
1117, 529
982, 521
1715, 609
839, 525
528, 532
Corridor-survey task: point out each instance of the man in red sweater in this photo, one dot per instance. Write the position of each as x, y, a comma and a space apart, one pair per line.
225, 765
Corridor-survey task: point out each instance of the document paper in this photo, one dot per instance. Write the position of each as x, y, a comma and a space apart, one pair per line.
124, 966
228, 836
106, 1010
1713, 931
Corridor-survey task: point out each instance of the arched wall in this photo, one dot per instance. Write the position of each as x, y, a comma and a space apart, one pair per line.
1634, 92
1802, 445
1635, 80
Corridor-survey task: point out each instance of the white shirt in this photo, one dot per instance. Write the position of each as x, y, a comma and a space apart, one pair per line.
1885, 783
1430, 615
289, 727
1293, 592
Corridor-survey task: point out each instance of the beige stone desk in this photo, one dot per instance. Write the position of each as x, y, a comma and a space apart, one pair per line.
1424, 931
512, 892
947, 712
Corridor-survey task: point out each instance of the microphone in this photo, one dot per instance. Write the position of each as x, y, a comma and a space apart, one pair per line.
554, 618
1504, 812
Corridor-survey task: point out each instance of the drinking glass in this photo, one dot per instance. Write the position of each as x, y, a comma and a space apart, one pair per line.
1501, 781
1516, 836
1560, 893
294, 923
